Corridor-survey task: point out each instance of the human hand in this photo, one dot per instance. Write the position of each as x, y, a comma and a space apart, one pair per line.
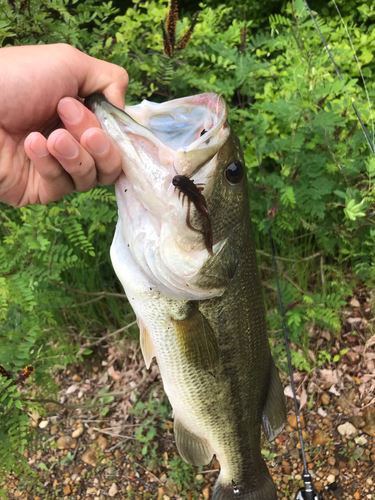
40, 86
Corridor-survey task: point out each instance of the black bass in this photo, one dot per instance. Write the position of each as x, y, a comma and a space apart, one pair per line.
184, 253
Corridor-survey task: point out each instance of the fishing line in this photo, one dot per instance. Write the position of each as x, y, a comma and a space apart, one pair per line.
367, 135
359, 68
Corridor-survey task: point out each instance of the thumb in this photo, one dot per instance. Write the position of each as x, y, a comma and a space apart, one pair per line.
95, 75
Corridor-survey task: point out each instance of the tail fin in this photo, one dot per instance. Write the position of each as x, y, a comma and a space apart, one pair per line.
263, 490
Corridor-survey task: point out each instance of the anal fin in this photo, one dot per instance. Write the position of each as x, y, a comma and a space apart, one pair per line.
193, 449
274, 411
147, 347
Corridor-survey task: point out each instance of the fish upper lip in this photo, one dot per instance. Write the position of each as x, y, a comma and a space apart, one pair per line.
93, 99
146, 120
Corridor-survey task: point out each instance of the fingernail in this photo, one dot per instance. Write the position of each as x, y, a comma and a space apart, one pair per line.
70, 111
98, 144
39, 147
66, 147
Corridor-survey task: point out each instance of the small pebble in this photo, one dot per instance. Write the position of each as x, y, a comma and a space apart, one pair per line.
66, 442
325, 399
320, 437
54, 430
67, 490
347, 430
286, 468
292, 421
77, 432
113, 490
206, 493
322, 412
354, 303
361, 440
43, 424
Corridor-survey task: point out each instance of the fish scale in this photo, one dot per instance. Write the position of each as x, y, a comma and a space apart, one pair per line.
200, 310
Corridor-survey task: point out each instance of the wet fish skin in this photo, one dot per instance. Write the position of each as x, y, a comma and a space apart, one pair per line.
202, 316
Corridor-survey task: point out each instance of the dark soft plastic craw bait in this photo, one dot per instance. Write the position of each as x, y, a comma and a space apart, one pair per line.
194, 194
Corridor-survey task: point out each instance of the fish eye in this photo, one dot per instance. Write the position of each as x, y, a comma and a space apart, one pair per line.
234, 172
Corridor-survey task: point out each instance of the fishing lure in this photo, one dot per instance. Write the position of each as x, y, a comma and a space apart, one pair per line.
193, 192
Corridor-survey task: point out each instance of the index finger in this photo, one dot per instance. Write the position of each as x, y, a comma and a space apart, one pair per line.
76, 117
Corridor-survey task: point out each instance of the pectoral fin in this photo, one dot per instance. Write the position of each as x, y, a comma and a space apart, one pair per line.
197, 340
274, 411
147, 347
219, 270
193, 449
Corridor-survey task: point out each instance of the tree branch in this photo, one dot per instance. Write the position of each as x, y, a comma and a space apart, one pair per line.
94, 401
302, 259
91, 294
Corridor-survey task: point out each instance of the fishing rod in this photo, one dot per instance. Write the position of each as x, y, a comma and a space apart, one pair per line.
307, 492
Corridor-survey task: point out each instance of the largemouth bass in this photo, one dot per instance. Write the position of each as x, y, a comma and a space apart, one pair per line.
184, 253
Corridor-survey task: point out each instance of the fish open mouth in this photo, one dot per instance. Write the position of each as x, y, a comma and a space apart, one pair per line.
186, 133
184, 123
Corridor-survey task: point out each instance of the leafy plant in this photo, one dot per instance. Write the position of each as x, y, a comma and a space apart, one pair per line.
184, 475
150, 412
268, 455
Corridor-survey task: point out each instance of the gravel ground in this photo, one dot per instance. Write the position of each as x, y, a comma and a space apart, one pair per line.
123, 446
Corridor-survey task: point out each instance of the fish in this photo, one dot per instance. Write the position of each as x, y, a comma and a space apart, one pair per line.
199, 305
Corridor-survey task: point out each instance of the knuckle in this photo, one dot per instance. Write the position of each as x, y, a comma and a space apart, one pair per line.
106, 180
83, 188
123, 76
65, 47
82, 170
